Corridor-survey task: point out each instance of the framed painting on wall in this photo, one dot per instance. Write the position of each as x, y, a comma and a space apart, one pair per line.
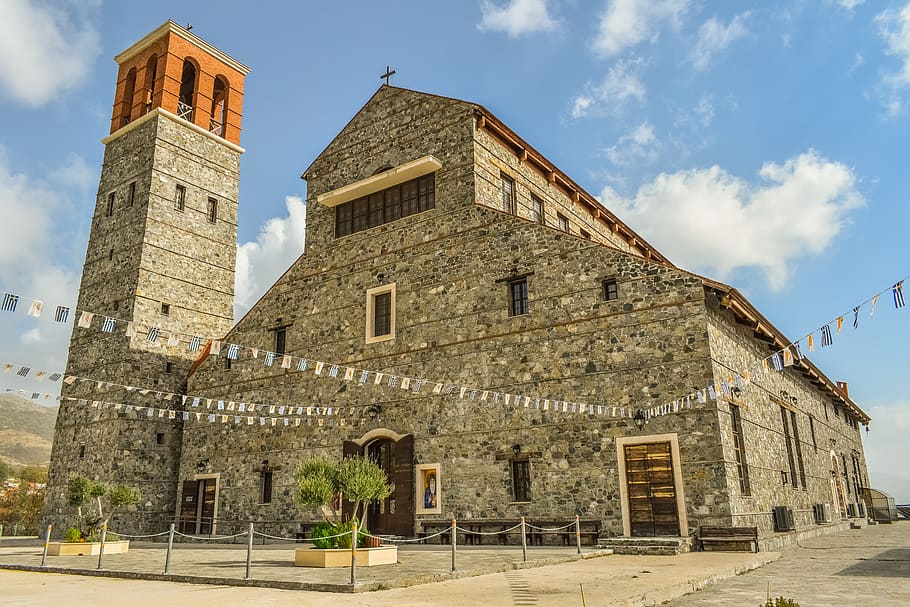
429, 496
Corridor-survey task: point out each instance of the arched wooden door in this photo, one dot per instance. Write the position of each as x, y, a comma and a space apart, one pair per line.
395, 514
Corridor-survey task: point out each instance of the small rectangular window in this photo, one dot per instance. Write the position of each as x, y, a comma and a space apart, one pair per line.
380, 321
168, 367
507, 191
537, 209
518, 297
110, 255
213, 210
521, 480
81, 451
227, 363
165, 309
159, 438
812, 432
280, 340
265, 486
584, 234
180, 198
110, 204
562, 222
131, 197
610, 290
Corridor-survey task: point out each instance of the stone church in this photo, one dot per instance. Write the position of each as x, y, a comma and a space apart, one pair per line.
464, 313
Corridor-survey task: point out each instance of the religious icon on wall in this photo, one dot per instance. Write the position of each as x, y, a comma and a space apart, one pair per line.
429, 496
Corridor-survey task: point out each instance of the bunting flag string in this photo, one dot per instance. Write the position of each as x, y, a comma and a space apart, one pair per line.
778, 360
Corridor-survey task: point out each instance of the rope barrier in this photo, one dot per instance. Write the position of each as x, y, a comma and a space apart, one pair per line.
406, 540
489, 532
302, 539
211, 537
135, 537
529, 526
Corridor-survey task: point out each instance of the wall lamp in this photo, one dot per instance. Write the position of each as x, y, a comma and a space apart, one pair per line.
516, 449
640, 419
374, 411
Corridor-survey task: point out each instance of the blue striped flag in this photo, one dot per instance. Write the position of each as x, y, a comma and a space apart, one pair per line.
233, 351
109, 325
775, 360
269, 359
898, 292
152, 334
10, 302
23, 371
62, 314
195, 343
856, 317
826, 336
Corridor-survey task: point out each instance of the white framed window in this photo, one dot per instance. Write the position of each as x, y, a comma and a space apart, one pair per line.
380, 321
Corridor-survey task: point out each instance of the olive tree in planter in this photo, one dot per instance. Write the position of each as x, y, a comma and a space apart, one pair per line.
321, 484
86, 538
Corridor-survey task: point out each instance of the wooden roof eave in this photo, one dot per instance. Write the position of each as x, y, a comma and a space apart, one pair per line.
748, 314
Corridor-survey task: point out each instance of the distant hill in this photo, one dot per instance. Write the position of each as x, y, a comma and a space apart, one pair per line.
26, 431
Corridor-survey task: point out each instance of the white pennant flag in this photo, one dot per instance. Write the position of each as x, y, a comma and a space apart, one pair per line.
85, 320
35, 308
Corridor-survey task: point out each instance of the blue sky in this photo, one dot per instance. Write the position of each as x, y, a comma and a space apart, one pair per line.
759, 143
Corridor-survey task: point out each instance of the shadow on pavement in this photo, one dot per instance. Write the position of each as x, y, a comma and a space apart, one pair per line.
890, 563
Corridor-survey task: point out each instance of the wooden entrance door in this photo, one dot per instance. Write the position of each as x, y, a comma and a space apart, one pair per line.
651, 491
197, 506
395, 514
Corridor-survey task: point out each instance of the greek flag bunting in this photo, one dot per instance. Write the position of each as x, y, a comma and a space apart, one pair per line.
826, 336
195, 343
856, 317
233, 351
23, 371
10, 302
109, 325
62, 314
269, 359
152, 334
302, 364
776, 362
898, 292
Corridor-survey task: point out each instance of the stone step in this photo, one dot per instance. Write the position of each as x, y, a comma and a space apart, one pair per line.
660, 546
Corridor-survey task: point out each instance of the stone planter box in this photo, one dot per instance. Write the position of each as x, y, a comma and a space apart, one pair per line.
341, 557
86, 548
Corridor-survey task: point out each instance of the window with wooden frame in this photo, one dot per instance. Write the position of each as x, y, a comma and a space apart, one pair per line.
179, 198
521, 480
265, 485
380, 320
562, 222
799, 450
213, 210
610, 290
518, 296
537, 209
281, 338
507, 192
131, 197
110, 204
739, 448
788, 440
408, 198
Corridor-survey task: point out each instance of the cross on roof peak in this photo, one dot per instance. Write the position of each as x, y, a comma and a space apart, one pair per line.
388, 74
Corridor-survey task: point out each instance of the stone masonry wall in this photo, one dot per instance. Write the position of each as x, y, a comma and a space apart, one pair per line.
734, 349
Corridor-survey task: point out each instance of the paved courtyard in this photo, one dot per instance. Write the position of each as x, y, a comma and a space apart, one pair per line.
849, 568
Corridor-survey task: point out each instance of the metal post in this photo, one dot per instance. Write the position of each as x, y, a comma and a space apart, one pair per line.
1, 532
578, 533
47, 539
170, 546
101, 550
454, 541
249, 553
524, 542
354, 553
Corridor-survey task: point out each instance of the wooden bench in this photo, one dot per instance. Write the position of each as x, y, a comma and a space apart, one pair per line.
590, 531
729, 535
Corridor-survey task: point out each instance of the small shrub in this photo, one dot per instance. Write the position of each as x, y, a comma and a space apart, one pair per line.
344, 541
73, 535
321, 533
779, 602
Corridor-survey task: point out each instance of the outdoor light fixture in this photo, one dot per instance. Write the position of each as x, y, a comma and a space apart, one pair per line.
374, 411
737, 392
516, 449
794, 400
640, 419
202, 465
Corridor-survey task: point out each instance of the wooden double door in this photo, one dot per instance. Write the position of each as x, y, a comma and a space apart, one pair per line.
395, 514
197, 506
651, 490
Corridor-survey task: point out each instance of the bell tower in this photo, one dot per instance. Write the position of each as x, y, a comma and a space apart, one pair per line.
160, 262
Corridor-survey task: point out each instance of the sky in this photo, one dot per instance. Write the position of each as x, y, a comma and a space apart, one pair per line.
763, 144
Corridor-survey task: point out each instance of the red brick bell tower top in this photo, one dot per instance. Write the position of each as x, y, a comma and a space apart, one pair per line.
175, 71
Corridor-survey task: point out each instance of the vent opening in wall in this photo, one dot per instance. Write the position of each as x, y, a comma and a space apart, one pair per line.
783, 519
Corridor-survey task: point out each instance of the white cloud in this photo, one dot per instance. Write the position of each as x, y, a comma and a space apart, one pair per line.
714, 37
626, 23
637, 147
850, 4
45, 48
894, 27
32, 336
261, 263
27, 210
621, 85
76, 172
715, 223
517, 17
886, 449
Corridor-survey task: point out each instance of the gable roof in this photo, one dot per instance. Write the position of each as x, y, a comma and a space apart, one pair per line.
528, 153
